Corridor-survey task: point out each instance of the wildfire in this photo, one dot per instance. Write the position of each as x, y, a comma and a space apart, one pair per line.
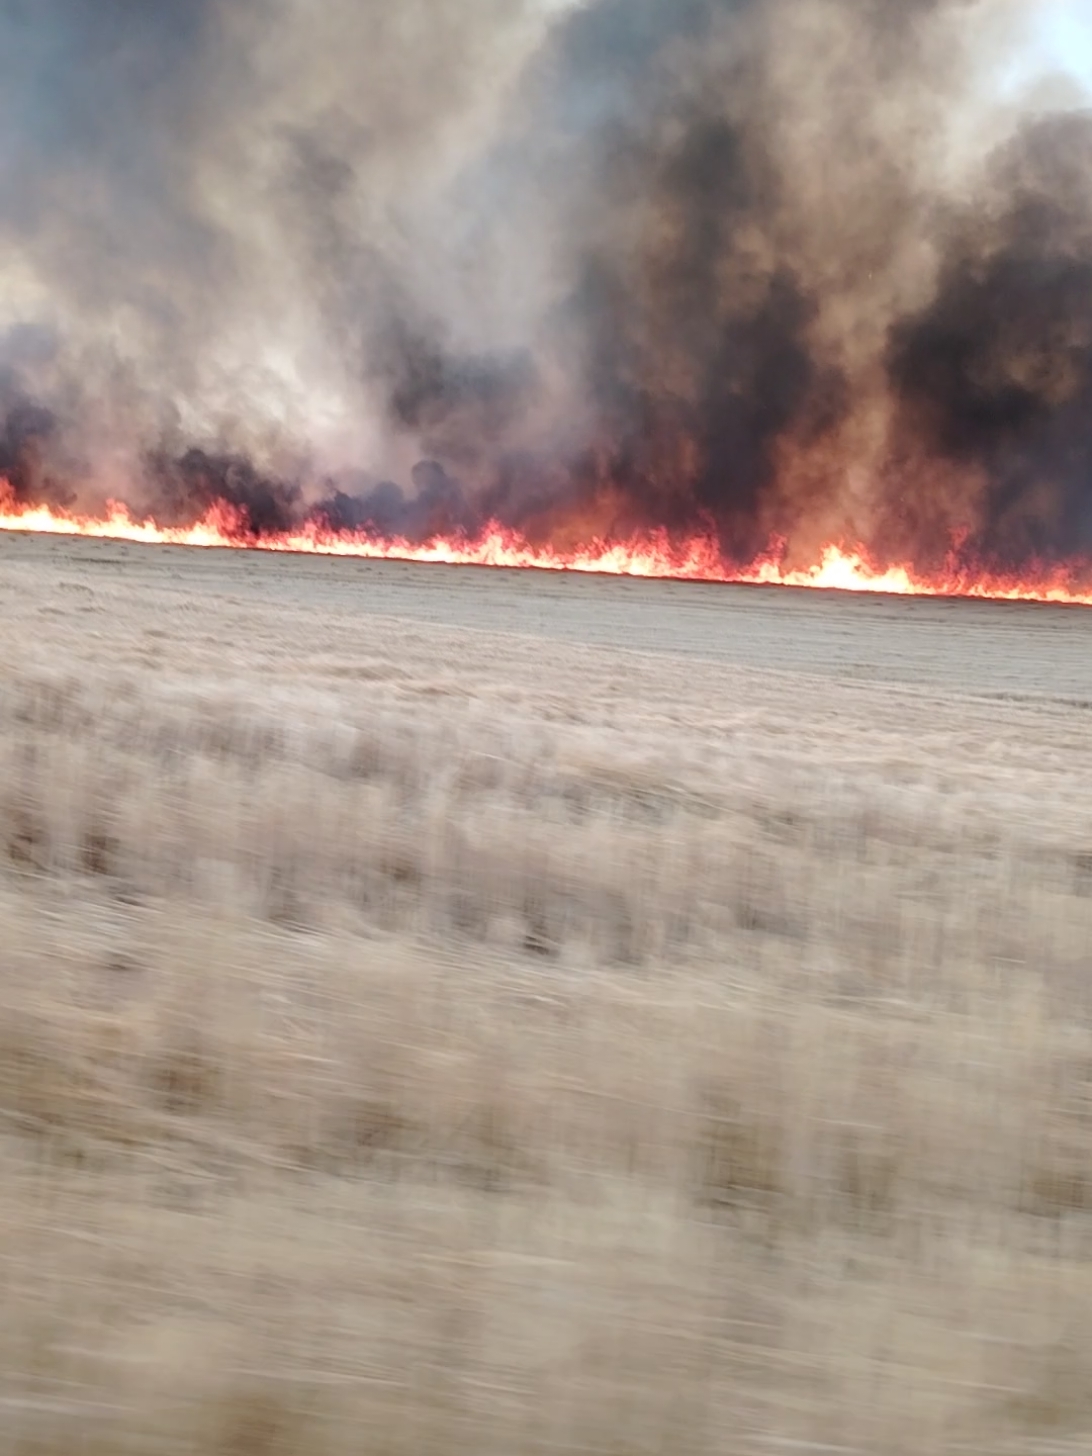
839, 567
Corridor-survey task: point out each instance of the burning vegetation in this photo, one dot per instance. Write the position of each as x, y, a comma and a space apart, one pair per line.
776, 290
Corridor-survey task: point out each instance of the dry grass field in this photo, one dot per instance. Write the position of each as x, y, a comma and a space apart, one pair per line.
444, 1015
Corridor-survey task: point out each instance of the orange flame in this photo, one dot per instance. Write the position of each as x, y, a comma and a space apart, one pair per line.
840, 567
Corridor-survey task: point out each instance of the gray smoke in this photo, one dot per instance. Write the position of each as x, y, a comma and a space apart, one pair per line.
766, 268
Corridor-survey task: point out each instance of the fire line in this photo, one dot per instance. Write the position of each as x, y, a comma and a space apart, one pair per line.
839, 567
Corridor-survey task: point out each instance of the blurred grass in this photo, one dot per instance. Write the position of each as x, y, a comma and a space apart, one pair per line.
486, 1054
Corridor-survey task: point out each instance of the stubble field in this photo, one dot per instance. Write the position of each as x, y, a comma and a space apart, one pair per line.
483, 1013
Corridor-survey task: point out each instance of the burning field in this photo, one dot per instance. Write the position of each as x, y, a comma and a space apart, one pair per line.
467, 1010
461, 1011
738, 290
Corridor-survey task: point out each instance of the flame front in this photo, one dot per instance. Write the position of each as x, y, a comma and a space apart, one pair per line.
840, 566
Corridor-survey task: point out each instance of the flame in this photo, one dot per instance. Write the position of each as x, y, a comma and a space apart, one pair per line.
840, 567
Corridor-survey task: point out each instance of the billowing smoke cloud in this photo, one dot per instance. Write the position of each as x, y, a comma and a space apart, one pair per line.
765, 269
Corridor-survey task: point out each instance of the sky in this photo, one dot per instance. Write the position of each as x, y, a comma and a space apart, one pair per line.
1060, 38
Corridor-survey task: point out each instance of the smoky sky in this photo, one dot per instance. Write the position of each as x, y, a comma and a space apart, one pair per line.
767, 270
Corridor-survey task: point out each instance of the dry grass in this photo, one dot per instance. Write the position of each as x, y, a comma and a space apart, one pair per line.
431, 1044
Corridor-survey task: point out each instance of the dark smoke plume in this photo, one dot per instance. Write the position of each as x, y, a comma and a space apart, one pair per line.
767, 269
994, 374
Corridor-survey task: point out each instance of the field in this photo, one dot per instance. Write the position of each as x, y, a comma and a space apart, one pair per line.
457, 1013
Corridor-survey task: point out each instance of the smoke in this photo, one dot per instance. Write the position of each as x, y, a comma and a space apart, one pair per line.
782, 270
994, 374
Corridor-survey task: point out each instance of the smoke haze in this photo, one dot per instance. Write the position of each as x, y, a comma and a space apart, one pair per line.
763, 269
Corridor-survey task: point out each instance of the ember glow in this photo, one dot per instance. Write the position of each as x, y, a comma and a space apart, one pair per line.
840, 567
